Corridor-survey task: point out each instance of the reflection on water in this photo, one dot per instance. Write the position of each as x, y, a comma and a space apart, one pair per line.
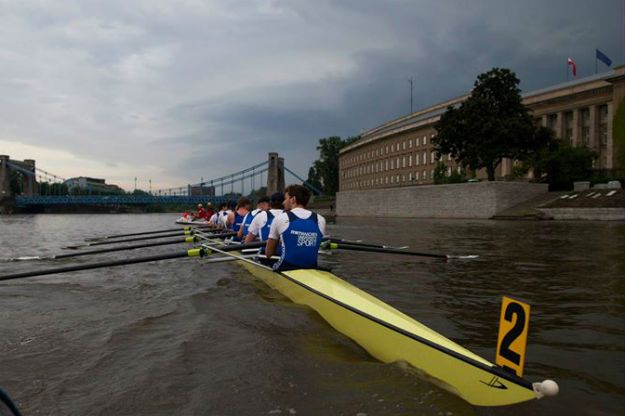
182, 337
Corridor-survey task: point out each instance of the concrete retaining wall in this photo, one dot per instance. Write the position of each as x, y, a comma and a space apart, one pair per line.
601, 214
463, 200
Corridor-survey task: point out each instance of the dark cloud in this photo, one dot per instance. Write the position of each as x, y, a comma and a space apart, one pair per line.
201, 89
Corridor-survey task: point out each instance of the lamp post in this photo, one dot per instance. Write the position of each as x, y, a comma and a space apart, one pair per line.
135, 183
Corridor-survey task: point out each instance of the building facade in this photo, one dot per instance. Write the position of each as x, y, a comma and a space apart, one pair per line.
400, 152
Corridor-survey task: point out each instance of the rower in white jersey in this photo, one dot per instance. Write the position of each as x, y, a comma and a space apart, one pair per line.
215, 218
261, 205
259, 228
223, 220
298, 230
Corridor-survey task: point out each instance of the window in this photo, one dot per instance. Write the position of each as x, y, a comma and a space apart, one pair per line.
425, 175
403, 162
432, 157
410, 176
397, 179
403, 146
416, 159
425, 158
425, 140
409, 161
386, 164
393, 147
410, 144
392, 164
397, 163
416, 175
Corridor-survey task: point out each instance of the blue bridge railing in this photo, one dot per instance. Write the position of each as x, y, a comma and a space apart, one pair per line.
22, 201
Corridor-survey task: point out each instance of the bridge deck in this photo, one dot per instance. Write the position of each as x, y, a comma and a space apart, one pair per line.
22, 201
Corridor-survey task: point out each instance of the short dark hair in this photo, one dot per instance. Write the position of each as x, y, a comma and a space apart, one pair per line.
277, 199
243, 202
223, 206
301, 193
263, 199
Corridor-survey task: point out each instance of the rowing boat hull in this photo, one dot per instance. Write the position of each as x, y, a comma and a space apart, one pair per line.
391, 336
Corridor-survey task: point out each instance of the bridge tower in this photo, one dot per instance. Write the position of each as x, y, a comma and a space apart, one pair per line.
29, 178
275, 174
5, 177
30, 181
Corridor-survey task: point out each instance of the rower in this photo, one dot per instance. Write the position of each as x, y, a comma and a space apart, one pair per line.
235, 218
216, 216
201, 212
209, 210
259, 228
261, 205
298, 230
223, 219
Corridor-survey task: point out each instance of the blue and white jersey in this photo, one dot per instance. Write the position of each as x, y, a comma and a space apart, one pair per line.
247, 220
262, 222
299, 240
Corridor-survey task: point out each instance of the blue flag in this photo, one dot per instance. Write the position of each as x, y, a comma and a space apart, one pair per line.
603, 57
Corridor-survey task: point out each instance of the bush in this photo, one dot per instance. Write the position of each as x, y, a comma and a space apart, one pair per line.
561, 165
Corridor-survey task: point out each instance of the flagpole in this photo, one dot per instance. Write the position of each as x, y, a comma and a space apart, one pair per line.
595, 61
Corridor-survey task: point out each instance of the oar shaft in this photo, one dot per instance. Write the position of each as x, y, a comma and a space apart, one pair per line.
189, 253
109, 250
129, 240
386, 250
152, 237
106, 237
98, 265
357, 243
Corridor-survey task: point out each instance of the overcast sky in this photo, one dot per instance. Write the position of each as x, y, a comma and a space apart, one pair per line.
173, 91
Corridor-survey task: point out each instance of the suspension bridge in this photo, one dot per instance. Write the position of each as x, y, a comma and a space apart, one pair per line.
30, 186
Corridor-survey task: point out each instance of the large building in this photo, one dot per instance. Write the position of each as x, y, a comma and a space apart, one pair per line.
400, 152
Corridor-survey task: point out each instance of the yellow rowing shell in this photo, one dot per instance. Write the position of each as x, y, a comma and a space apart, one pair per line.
391, 336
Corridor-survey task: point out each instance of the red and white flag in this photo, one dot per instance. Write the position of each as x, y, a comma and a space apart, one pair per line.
571, 63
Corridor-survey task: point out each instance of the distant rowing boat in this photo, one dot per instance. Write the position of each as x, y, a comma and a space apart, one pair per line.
187, 221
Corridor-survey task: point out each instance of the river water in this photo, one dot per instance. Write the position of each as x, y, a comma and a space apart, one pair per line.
181, 337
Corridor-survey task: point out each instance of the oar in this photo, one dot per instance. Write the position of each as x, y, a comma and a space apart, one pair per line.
360, 243
106, 250
393, 251
151, 237
106, 237
195, 252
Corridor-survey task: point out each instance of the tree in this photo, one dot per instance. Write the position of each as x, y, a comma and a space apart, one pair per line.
325, 171
490, 125
561, 164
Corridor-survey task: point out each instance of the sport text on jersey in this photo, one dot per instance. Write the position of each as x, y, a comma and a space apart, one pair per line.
305, 239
